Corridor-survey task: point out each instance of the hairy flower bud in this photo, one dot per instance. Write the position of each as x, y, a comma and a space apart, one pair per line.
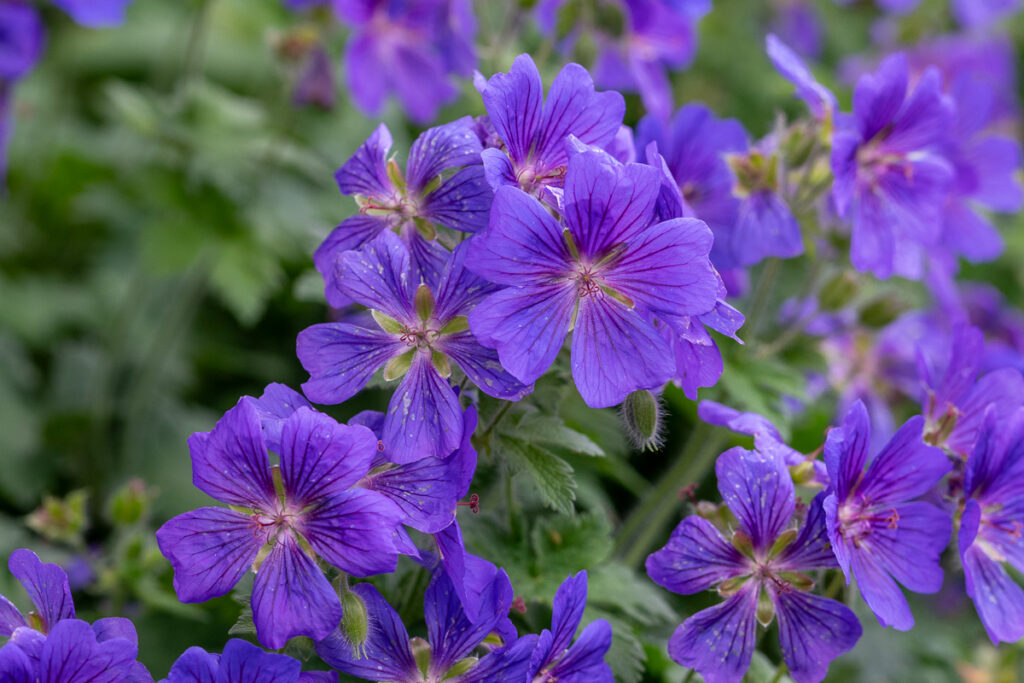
642, 417
355, 622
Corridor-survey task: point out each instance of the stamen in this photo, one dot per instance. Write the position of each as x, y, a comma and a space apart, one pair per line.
519, 605
473, 504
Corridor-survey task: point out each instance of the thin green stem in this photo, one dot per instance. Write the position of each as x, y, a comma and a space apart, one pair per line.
835, 586
689, 676
495, 420
647, 521
762, 292
779, 672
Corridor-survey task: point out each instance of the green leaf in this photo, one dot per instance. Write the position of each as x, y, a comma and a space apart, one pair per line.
615, 586
552, 476
548, 430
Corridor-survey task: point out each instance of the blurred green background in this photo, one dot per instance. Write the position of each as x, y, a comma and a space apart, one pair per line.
163, 203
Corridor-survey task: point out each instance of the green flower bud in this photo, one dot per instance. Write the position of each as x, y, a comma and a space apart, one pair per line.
355, 622
838, 291
642, 417
130, 504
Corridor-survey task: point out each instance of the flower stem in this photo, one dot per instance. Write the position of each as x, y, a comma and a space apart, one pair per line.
762, 290
647, 521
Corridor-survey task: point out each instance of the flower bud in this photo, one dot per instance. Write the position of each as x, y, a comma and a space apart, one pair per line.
130, 504
355, 622
838, 291
642, 417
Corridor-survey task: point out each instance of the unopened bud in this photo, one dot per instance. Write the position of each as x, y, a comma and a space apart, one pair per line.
642, 417
802, 473
130, 504
355, 622
60, 519
881, 311
838, 291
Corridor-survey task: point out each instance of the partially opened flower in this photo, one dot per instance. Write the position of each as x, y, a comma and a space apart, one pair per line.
604, 274
992, 526
891, 178
421, 329
389, 654
282, 518
534, 130
559, 659
444, 185
761, 572
879, 533
241, 662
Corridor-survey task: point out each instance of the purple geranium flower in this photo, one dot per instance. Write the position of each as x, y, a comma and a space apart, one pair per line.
95, 13
417, 336
534, 130
765, 580
985, 167
876, 533
407, 48
992, 524
47, 586
604, 273
957, 398
890, 178
694, 144
444, 185
388, 654
283, 516
557, 658
74, 652
660, 36
241, 662
817, 97
315, 84
21, 42
797, 22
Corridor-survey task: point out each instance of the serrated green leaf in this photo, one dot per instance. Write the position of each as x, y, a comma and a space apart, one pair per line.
552, 475
614, 586
244, 625
548, 430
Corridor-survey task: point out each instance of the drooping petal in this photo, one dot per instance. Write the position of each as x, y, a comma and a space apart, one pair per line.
472, 577
523, 243
881, 593
46, 584
666, 269
378, 276
438, 149
695, 558
483, 367
385, 655
274, 406
526, 325
292, 597
513, 102
615, 351
341, 358
243, 661
719, 641
424, 419
366, 172
812, 632
353, 530
905, 468
462, 202
759, 490
321, 458
846, 450
210, 549
72, 655
606, 202
765, 226
231, 463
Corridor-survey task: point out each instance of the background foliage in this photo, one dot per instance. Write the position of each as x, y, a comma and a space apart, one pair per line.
164, 200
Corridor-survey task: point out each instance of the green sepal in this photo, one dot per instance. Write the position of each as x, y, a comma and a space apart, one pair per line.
398, 366
765, 609
395, 174
423, 301
425, 228
730, 587
387, 323
460, 667
784, 539
459, 323
571, 243
800, 582
421, 653
441, 364
742, 542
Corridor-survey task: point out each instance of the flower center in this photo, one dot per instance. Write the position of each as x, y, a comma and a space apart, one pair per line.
420, 337
857, 521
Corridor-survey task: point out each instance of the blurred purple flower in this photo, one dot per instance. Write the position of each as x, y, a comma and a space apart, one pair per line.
315, 85
763, 581
818, 98
797, 23
890, 178
876, 533
409, 49
281, 518
979, 13
95, 13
